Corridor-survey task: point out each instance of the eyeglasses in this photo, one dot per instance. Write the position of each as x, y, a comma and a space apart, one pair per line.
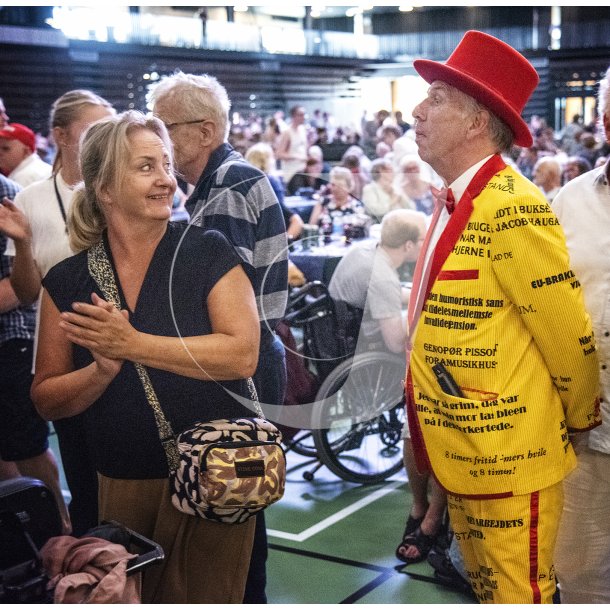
170, 125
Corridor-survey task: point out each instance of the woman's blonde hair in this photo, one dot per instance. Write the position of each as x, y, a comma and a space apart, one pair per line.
261, 156
104, 155
66, 110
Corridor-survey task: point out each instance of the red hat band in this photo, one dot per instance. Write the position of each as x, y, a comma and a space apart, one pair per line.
491, 72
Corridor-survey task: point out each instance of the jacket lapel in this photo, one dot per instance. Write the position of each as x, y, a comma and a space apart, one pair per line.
460, 216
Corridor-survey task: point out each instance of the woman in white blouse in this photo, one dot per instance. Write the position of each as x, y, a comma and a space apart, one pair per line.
36, 222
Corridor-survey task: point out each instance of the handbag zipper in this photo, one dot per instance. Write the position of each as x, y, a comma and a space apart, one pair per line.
232, 445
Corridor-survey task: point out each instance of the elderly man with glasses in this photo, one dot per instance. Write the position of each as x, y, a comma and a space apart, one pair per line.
235, 198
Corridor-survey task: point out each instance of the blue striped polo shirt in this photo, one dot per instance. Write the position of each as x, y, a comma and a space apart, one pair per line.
236, 198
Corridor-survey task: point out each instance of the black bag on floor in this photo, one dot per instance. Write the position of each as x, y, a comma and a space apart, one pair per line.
28, 518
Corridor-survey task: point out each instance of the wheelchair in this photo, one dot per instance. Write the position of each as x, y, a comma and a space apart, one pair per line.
358, 412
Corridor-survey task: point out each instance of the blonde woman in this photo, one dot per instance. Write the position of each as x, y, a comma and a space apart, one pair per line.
413, 186
261, 156
198, 349
380, 196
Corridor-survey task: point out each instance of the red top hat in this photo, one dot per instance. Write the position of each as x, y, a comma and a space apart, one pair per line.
491, 72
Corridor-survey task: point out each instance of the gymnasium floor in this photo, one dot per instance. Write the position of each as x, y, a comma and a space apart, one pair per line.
333, 542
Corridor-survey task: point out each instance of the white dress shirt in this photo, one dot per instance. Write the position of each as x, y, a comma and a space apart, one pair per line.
30, 170
583, 209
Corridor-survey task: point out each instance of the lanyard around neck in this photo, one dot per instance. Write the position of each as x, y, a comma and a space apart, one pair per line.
60, 202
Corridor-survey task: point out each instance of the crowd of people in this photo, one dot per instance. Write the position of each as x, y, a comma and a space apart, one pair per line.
298, 141
504, 330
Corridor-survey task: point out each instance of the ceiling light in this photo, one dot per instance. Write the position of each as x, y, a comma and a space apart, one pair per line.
405, 9
240, 8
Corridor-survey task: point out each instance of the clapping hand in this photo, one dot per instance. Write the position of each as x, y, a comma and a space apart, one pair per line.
102, 329
13, 222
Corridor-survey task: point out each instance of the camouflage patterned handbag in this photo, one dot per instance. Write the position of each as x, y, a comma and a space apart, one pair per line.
229, 469
224, 470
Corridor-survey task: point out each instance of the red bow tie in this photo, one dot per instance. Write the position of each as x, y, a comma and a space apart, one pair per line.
444, 197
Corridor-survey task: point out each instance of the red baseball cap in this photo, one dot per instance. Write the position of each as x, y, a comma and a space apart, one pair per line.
17, 131
491, 72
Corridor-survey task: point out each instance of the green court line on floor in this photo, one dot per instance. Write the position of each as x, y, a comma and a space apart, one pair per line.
338, 516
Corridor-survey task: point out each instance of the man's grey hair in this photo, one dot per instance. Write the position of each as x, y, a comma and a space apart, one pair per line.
194, 96
499, 132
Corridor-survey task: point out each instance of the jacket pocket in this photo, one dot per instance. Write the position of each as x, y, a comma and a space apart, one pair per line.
459, 274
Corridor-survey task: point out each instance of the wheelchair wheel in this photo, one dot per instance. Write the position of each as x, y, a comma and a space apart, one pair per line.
359, 415
303, 444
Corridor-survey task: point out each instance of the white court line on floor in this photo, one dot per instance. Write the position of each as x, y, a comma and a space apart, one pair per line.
342, 514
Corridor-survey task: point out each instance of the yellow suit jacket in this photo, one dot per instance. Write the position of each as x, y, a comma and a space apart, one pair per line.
505, 314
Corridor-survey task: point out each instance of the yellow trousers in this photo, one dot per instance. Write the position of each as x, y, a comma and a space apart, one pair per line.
508, 545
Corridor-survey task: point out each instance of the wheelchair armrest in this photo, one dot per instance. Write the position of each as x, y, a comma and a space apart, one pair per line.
313, 309
310, 289
314, 295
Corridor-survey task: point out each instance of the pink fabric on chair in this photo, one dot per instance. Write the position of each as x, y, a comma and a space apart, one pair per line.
89, 570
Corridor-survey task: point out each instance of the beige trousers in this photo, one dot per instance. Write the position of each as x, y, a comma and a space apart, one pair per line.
205, 562
582, 554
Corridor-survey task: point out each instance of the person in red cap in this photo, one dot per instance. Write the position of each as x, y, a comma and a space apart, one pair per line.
502, 359
18, 158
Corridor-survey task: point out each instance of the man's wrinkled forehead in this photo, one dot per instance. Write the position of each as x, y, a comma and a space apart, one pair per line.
455, 96
442, 87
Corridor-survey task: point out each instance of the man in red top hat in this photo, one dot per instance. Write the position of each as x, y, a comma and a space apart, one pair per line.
502, 359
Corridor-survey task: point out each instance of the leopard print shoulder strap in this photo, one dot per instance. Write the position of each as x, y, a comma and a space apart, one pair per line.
101, 271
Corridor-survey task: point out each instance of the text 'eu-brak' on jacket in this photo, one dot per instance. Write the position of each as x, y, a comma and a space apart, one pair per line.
505, 314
